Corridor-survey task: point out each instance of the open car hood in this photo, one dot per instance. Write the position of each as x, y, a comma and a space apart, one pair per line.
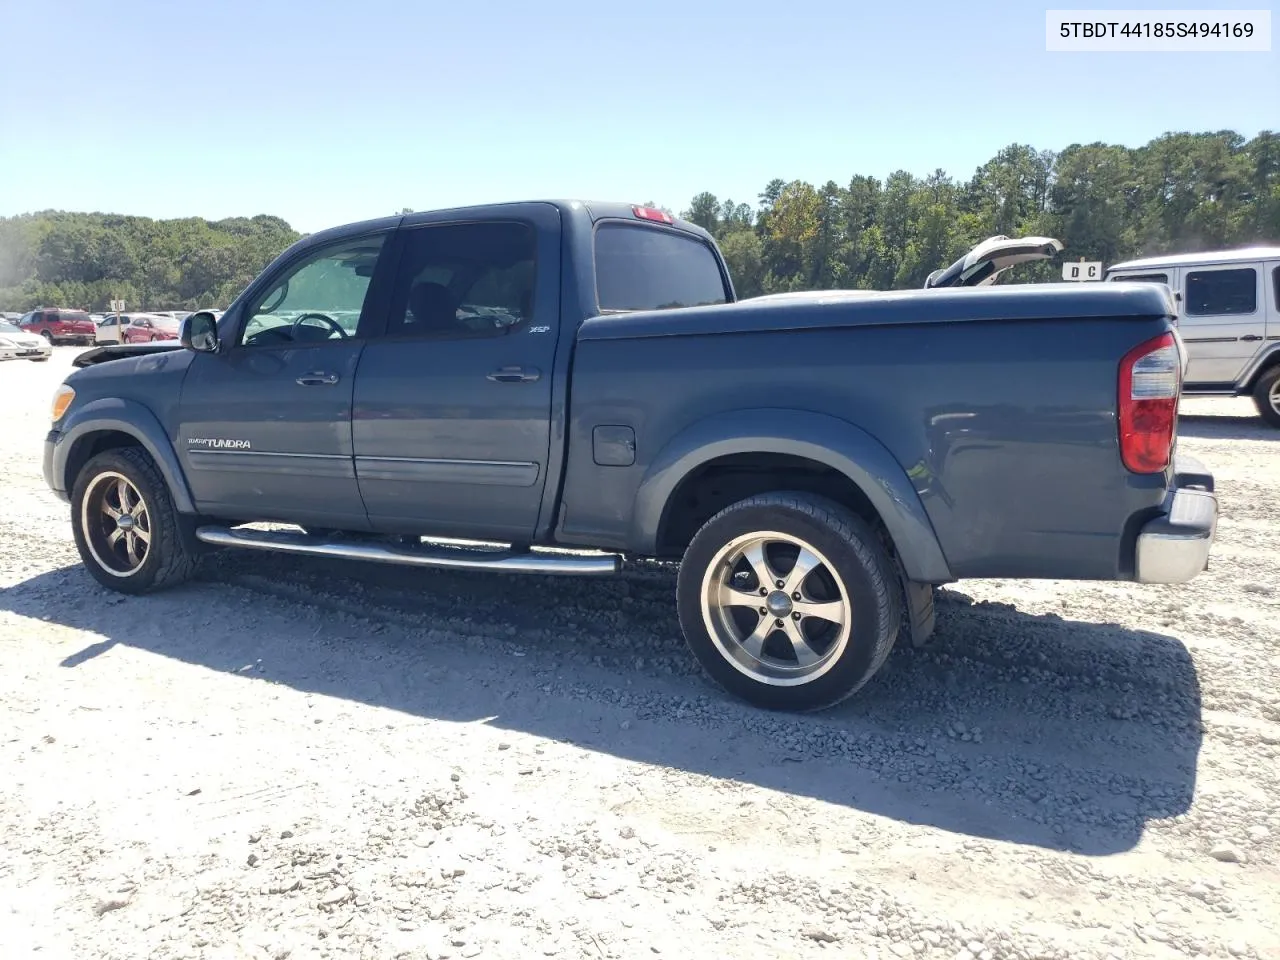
116, 351
981, 265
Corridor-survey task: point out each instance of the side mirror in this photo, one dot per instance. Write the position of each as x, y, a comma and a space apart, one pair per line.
200, 332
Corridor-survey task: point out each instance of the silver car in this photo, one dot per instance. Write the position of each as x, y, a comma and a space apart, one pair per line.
17, 344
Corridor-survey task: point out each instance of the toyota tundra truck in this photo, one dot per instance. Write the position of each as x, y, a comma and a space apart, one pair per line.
553, 387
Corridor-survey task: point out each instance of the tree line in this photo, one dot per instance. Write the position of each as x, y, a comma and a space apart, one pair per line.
1181, 192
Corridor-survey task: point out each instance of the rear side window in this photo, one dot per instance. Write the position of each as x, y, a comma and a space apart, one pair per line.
1215, 293
1275, 282
651, 268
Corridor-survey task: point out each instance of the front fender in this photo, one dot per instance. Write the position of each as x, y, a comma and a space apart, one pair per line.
825, 439
112, 414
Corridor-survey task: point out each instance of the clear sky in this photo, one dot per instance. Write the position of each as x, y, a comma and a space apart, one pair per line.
325, 112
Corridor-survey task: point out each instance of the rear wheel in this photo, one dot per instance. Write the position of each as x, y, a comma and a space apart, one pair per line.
130, 536
789, 601
1266, 396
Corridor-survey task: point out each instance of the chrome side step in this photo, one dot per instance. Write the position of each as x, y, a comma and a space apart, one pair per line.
568, 564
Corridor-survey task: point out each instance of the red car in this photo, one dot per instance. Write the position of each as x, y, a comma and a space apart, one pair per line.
144, 329
59, 325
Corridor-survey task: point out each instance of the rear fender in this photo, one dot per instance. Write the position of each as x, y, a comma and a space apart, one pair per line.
114, 415
825, 439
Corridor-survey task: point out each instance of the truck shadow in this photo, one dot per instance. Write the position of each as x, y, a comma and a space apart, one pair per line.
1013, 727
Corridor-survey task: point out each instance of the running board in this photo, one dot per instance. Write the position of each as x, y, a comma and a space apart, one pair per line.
577, 565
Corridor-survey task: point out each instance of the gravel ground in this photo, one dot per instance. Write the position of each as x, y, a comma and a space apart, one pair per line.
308, 759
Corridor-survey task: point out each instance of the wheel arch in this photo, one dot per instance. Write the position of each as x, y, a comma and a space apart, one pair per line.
797, 437
109, 423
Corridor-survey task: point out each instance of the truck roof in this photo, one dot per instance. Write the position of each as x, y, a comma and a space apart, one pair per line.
592, 209
1201, 259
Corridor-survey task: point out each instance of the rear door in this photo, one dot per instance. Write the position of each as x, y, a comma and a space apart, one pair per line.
452, 409
1222, 320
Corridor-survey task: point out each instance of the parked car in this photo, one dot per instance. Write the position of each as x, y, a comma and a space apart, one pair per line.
145, 328
60, 325
580, 377
1228, 317
17, 344
110, 329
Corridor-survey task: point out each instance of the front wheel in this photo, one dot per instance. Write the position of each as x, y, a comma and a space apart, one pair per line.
130, 536
789, 601
1266, 396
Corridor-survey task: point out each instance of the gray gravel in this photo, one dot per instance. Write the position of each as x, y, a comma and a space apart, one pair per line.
308, 759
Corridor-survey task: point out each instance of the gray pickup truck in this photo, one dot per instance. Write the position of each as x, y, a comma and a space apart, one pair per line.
548, 387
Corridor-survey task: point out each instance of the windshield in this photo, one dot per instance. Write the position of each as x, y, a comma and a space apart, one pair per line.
7, 327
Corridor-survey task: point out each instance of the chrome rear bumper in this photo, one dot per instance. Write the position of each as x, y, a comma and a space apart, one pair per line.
1174, 547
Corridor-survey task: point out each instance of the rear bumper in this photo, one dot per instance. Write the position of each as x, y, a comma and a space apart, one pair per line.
1174, 546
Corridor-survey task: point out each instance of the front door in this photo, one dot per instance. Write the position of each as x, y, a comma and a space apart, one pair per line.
266, 421
452, 414
1223, 321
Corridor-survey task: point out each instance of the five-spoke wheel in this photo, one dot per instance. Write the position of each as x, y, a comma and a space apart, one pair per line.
789, 600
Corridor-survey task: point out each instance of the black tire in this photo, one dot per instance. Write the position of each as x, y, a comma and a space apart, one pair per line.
172, 553
854, 554
1266, 396
48, 336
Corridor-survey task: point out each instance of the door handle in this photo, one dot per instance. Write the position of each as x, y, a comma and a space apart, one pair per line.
317, 378
1249, 338
515, 375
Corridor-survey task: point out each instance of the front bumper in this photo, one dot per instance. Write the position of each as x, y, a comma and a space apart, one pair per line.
23, 351
1174, 547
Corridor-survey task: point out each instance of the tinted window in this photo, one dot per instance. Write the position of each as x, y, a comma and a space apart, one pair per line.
464, 280
318, 298
1217, 292
647, 268
1144, 277
1275, 282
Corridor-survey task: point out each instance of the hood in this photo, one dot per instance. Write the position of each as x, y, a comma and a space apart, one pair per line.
117, 351
981, 265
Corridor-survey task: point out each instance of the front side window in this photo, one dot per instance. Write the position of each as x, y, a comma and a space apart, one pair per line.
654, 268
317, 299
1213, 293
464, 280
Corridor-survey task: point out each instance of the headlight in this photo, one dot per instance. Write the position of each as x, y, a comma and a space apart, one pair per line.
62, 398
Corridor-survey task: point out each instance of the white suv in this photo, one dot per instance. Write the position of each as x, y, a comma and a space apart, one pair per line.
1228, 317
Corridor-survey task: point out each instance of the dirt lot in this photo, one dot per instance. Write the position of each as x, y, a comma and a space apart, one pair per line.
304, 759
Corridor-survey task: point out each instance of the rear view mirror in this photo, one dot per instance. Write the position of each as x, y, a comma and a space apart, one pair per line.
200, 332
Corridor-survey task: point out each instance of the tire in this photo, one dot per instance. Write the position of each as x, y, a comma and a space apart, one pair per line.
853, 577
48, 336
170, 556
1266, 396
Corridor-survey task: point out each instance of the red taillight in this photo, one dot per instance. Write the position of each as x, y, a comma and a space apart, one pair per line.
1150, 382
649, 213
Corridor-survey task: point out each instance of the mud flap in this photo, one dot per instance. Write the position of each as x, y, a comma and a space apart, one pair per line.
918, 614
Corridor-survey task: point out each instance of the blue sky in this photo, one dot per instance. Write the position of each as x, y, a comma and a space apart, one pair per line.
325, 112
